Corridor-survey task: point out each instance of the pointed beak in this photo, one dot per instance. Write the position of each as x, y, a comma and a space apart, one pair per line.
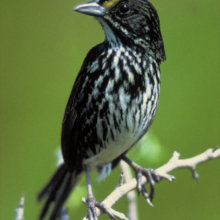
91, 8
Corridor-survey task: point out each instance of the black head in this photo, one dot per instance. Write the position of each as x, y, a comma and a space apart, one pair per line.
128, 22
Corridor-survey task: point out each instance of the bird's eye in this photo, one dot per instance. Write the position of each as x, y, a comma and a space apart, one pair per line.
124, 8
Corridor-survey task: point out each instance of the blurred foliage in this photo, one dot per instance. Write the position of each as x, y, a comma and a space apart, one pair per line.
43, 44
148, 149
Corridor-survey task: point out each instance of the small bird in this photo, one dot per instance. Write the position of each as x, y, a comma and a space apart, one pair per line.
113, 100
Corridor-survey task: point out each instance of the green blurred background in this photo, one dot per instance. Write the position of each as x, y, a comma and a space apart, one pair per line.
43, 44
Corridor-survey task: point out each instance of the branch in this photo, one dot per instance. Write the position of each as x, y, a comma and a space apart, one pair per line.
190, 163
132, 207
20, 210
163, 171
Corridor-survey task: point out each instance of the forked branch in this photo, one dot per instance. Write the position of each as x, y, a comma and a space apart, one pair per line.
174, 163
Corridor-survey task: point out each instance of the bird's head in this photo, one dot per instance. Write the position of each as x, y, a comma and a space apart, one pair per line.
128, 22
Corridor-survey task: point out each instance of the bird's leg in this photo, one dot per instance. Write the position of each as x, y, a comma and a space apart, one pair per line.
92, 203
91, 209
150, 175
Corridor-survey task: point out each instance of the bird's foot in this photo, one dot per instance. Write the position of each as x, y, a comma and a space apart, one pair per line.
92, 204
91, 208
151, 176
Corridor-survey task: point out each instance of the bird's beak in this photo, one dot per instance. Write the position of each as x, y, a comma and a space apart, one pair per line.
91, 8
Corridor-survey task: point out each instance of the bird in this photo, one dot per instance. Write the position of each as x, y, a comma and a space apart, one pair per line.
113, 100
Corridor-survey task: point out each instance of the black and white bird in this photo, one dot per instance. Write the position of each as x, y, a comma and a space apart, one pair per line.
113, 100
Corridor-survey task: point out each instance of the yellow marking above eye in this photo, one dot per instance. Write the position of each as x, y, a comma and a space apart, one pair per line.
110, 3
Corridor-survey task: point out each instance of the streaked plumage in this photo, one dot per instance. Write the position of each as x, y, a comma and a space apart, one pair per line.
115, 96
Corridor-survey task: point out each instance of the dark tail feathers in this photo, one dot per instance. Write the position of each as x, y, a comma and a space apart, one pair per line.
57, 191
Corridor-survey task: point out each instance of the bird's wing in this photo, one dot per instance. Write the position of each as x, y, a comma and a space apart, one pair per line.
73, 120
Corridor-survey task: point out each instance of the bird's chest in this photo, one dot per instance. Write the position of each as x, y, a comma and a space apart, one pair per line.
127, 108
132, 95
122, 127
131, 111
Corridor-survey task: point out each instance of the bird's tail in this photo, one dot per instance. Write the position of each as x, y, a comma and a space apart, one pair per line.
57, 191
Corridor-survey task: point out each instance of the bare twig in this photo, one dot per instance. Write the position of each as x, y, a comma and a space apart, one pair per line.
163, 171
20, 210
190, 163
132, 207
